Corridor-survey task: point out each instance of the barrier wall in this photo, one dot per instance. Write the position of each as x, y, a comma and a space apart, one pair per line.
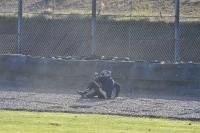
20, 69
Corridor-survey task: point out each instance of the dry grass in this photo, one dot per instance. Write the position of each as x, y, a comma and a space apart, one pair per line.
140, 7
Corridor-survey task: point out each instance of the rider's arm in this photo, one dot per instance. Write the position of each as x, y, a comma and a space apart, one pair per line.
96, 77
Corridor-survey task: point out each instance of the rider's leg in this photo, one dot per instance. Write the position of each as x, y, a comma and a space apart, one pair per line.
97, 90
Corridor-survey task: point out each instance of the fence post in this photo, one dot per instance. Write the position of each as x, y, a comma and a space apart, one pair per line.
93, 26
19, 26
129, 38
177, 36
52, 29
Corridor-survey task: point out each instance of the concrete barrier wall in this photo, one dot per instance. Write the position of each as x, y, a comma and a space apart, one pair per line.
19, 69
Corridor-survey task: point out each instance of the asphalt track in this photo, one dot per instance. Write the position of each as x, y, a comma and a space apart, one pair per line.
142, 103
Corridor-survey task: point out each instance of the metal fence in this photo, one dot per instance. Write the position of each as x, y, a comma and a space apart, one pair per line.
139, 29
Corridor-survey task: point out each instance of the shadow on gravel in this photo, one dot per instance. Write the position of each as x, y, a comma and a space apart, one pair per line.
160, 95
134, 94
99, 100
36, 89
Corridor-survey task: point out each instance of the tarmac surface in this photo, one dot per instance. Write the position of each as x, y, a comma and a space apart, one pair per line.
138, 103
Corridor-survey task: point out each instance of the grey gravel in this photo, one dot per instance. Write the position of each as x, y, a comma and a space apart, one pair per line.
140, 103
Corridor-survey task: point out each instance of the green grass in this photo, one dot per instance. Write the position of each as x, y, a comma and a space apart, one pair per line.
41, 122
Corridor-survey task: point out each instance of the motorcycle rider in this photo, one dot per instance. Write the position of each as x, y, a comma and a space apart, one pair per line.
106, 89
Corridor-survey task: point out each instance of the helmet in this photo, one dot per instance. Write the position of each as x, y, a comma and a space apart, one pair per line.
105, 73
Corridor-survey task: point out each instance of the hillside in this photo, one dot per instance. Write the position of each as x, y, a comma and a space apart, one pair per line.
71, 34
140, 7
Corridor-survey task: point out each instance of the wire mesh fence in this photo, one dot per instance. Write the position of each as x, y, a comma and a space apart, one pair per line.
139, 29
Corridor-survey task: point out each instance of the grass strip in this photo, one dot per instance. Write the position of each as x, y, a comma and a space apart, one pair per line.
46, 122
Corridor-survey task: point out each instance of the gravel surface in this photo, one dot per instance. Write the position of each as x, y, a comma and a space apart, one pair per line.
129, 103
